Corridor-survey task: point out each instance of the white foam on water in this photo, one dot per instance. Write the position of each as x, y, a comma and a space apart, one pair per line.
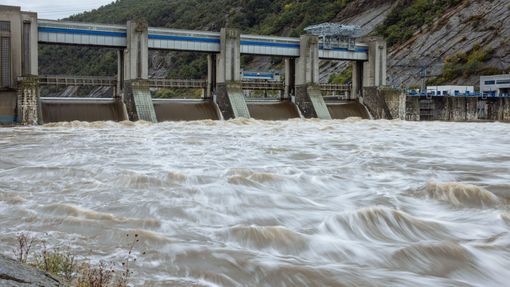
253, 203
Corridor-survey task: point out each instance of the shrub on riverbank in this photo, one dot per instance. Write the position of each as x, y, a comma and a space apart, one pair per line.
72, 270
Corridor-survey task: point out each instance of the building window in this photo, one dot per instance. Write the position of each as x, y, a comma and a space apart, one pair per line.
5, 26
5, 62
503, 82
490, 82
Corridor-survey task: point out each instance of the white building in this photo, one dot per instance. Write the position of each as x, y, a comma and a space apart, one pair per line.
450, 90
496, 85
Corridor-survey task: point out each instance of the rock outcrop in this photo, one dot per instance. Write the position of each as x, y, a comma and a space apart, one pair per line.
15, 274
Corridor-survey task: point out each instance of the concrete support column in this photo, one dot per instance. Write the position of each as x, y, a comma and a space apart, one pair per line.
229, 61
290, 78
211, 76
30, 58
137, 97
120, 73
136, 56
374, 70
357, 79
308, 95
29, 105
229, 95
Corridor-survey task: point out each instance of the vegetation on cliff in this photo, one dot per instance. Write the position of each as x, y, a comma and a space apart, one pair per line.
409, 15
465, 65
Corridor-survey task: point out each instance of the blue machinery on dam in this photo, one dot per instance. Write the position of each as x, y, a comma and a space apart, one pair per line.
21, 32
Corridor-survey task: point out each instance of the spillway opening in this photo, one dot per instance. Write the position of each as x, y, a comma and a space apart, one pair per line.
336, 79
263, 82
179, 86
263, 78
78, 84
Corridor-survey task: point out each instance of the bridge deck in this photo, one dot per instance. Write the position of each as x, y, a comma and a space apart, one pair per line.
115, 36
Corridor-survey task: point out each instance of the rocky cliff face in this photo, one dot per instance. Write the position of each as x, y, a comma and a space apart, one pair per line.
470, 39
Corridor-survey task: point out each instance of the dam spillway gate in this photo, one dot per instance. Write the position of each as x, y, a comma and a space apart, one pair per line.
301, 93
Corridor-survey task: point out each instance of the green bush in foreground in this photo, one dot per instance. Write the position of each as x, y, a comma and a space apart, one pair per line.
73, 271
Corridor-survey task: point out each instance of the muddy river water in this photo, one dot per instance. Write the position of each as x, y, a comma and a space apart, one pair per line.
253, 203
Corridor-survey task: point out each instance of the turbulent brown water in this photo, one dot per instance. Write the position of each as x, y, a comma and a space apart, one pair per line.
252, 203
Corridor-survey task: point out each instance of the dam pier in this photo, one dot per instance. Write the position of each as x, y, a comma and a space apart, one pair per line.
301, 92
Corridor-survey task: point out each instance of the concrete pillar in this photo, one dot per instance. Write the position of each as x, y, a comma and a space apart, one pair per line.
307, 66
357, 79
229, 61
308, 95
30, 45
374, 70
136, 57
137, 97
229, 94
211, 76
290, 78
29, 104
120, 73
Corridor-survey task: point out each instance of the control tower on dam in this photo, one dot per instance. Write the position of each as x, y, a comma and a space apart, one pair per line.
301, 94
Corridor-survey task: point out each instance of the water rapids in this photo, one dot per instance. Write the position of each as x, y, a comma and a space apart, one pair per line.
253, 203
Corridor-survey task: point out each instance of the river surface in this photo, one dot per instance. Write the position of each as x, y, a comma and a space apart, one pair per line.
252, 203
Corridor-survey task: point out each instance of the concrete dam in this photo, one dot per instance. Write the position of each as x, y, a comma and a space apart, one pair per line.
300, 92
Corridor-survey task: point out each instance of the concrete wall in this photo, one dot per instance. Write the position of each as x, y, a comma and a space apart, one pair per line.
412, 108
185, 111
283, 110
8, 101
375, 99
86, 110
458, 109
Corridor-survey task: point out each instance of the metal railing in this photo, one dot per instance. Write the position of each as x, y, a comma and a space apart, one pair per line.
335, 88
177, 83
78, 81
432, 94
81, 81
263, 85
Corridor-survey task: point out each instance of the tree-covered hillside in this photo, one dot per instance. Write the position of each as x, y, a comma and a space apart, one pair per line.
287, 17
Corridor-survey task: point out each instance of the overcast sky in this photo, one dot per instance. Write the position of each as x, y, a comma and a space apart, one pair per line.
56, 9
